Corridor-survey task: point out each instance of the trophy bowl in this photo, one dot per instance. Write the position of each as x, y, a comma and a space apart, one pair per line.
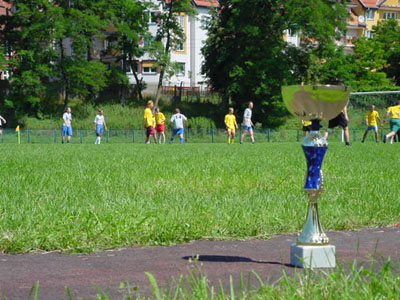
315, 102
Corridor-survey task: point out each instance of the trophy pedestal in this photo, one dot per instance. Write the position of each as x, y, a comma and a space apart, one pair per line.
312, 256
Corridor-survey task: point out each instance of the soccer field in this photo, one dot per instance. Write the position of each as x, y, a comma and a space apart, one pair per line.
87, 197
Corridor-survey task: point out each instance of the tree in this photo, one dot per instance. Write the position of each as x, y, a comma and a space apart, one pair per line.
3, 61
80, 23
169, 33
29, 34
367, 64
246, 57
130, 27
388, 34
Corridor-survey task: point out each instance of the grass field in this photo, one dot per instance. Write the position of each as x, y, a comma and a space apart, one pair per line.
81, 198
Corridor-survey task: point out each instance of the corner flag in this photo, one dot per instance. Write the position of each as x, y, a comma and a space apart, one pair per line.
19, 135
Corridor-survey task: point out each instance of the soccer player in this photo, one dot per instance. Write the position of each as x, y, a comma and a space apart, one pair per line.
341, 120
371, 118
306, 126
247, 123
231, 125
66, 130
99, 126
2, 120
177, 120
149, 122
160, 125
394, 111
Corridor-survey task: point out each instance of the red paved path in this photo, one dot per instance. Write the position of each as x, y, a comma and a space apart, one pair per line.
218, 260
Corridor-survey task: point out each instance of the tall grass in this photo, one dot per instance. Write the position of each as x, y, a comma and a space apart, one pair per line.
345, 282
117, 117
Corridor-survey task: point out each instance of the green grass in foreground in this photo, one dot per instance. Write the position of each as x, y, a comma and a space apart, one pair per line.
353, 282
85, 197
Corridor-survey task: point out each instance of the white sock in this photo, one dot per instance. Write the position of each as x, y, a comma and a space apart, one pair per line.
391, 141
99, 139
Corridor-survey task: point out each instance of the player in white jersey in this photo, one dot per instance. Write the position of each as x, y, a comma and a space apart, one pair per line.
247, 125
2, 121
99, 126
66, 129
177, 120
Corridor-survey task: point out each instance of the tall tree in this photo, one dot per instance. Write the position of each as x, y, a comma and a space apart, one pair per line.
246, 57
29, 34
131, 27
388, 34
169, 34
82, 21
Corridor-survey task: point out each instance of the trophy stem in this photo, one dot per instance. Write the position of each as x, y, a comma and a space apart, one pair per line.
312, 234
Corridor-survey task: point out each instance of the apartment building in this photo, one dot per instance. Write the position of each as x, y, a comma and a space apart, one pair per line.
364, 14
187, 54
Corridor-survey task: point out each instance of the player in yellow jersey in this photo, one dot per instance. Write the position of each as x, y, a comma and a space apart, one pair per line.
306, 126
149, 122
160, 125
371, 118
231, 125
394, 112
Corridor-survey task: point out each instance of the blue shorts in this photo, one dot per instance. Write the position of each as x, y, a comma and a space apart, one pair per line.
247, 128
375, 128
178, 131
66, 131
99, 129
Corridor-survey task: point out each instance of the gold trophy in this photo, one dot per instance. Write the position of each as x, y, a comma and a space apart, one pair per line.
314, 103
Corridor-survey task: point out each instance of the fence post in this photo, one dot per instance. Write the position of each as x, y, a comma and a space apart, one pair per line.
212, 135
133, 135
354, 135
80, 136
297, 135
107, 135
268, 135
28, 136
187, 135
54, 136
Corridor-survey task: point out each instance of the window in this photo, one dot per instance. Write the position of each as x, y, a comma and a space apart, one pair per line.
181, 69
389, 15
179, 46
179, 43
151, 17
179, 20
149, 68
6, 75
135, 68
369, 14
368, 34
145, 41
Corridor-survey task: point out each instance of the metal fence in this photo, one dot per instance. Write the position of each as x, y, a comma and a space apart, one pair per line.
115, 136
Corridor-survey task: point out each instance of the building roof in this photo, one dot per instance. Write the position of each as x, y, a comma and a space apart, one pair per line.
206, 3
370, 3
375, 4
